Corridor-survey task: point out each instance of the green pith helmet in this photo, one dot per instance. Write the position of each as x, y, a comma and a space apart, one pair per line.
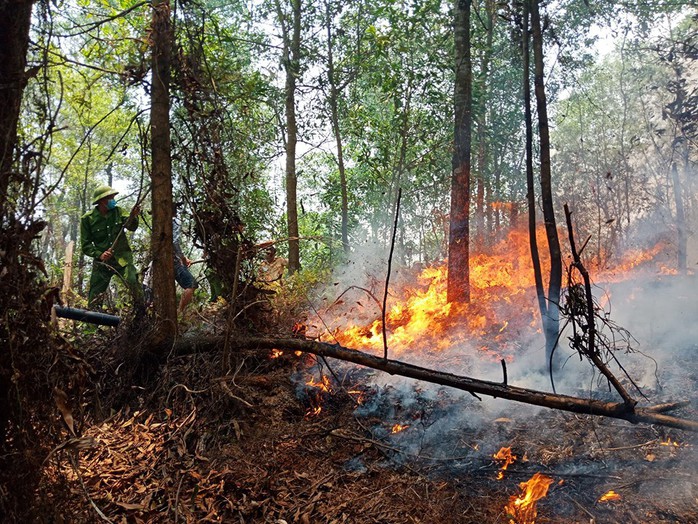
103, 191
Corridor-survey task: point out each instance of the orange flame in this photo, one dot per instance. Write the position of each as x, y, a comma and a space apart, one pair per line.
313, 412
275, 353
500, 280
324, 384
359, 396
610, 495
669, 442
316, 394
397, 428
522, 509
507, 458
503, 303
299, 329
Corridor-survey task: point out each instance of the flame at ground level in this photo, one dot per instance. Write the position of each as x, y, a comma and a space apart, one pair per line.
522, 509
397, 428
502, 310
609, 495
502, 303
507, 458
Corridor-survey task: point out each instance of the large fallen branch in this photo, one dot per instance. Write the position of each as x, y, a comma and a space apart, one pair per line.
618, 410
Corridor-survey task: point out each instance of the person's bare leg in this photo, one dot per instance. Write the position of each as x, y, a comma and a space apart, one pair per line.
187, 295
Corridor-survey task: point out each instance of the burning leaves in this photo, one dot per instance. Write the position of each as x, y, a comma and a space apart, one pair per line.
506, 457
522, 508
609, 495
318, 392
420, 313
501, 311
398, 428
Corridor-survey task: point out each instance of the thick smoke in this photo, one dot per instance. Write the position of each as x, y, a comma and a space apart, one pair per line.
652, 318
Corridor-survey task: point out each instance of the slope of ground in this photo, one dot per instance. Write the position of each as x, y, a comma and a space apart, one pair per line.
190, 443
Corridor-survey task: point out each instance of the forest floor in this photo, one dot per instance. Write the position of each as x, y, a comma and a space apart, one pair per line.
190, 443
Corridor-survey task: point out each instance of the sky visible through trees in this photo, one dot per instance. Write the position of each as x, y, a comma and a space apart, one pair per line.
614, 140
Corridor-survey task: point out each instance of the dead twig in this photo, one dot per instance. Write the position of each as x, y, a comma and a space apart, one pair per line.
73, 463
579, 505
668, 406
592, 351
622, 448
387, 277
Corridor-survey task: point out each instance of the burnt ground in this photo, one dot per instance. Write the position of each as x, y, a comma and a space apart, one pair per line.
190, 443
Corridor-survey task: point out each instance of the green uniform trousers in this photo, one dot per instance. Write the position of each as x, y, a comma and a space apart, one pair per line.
102, 274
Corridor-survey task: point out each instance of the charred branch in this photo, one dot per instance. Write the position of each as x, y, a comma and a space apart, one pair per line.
591, 351
474, 386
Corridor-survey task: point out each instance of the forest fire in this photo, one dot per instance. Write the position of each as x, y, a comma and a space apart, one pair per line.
317, 392
609, 495
502, 314
522, 509
506, 457
503, 304
500, 284
398, 428
324, 384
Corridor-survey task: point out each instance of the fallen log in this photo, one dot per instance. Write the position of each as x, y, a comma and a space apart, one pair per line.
583, 406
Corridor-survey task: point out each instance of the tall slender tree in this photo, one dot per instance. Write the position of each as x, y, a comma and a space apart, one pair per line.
530, 180
459, 232
551, 318
161, 174
333, 102
291, 38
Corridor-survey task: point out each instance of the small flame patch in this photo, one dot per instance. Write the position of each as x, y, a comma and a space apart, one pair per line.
522, 509
397, 428
506, 457
609, 495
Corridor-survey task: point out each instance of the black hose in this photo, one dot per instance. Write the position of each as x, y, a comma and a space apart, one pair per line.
84, 315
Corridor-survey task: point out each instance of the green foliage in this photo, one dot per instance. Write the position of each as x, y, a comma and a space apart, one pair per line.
616, 140
393, 69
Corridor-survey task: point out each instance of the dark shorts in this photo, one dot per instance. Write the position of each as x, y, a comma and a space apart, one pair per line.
184, 277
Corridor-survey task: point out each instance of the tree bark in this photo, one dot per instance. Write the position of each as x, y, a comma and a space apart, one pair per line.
459, 231
530, 185
584, 406
334, 117
291, 63
681, 237
164, 296
551, 322
15, 18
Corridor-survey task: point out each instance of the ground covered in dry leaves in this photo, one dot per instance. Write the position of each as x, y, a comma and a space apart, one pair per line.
188, 442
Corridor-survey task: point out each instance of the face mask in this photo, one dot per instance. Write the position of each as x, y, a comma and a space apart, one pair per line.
111, 204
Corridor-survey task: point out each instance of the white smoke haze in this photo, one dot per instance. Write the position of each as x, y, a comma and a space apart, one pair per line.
444, 424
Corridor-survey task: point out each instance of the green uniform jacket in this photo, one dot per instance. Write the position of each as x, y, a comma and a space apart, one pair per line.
97, 234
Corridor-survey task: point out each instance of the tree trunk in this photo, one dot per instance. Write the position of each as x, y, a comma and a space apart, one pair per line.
15, 18
680, 220
164, 297
334, 116
530, 185
459, 232
551, 322
483, 171
291, 63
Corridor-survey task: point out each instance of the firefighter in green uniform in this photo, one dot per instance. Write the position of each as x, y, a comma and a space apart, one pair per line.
102, 238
